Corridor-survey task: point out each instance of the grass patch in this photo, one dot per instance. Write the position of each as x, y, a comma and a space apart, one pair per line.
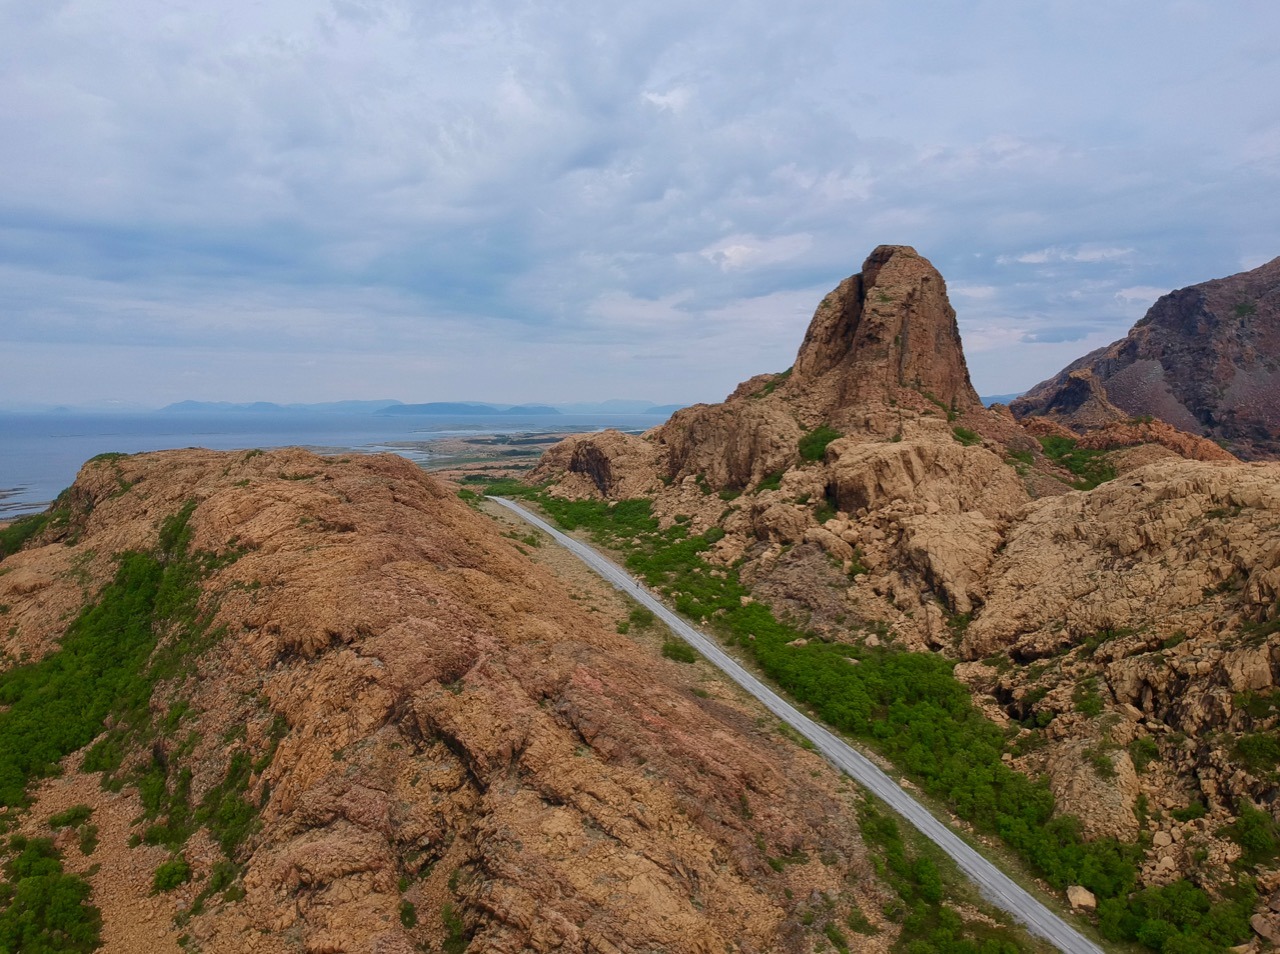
73, 817
773, 384
813, 445
679, 650
1260, 752
14, 536
1090, 467
1143, 751
965, 436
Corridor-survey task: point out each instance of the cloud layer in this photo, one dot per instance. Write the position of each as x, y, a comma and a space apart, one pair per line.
561, 200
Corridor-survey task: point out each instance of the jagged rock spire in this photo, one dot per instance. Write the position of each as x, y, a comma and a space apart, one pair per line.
888, 328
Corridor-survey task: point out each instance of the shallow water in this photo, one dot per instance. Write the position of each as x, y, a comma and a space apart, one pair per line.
41, 453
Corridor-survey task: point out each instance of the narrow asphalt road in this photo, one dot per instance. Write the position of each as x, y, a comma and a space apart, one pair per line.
995, 885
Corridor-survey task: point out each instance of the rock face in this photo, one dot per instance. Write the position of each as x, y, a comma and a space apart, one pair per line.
1205, 359
888, 331
439, 742
882, 351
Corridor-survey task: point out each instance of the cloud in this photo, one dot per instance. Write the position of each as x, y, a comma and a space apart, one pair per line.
509, 190
1087, 254
750, 251
1057, 335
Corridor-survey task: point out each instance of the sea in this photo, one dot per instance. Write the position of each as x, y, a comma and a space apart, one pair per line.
40, 453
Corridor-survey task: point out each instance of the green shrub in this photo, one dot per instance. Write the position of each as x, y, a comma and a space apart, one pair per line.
1143, 751
642, 617
771, 481
814, 444
1191, 812
20, 531
1259, 752
42, 909
455, 941
169, 875
1090, 466
72, 817
408, 914
965, 436
1086, 699
1255, 831
679, 650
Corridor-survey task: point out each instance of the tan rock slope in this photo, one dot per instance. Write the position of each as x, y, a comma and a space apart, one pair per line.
438, 743
1141, 616
1205, 359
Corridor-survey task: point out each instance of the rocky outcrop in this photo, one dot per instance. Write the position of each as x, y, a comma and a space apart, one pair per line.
437, 742
882, 354
609, 464
887, 332
1204, 359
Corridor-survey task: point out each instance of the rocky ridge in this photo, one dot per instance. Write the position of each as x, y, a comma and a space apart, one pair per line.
442, 747
1205, 359
1129, 634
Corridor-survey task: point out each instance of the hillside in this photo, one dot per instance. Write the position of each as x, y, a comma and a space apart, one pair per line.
1110, 601
323, 705
1205, 359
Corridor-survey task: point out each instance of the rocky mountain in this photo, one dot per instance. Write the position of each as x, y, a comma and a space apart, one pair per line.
305, 703
1205, 359
1111, 599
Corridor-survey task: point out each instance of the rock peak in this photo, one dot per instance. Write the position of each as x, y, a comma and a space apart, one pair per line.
886, 329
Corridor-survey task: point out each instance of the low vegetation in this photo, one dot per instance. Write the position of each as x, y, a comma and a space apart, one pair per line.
1090, 467
146, 629
912, 709
43, 909
814, 444
107, 664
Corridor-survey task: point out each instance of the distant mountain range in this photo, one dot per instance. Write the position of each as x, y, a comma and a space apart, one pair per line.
268, 407
429, 409
469, 409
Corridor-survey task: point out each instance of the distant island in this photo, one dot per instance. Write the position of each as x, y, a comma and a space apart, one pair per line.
470, 409
428, 409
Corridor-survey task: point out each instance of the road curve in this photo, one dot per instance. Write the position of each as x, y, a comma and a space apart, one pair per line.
995, 885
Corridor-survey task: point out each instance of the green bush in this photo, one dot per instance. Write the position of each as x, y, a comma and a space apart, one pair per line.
1086, 699
1090, 466
1259, 752
408, 914
814, 444
20, 531
1255, 831
770, 481
169, 875
965, 436
679, 650
42, 909
1143, 751
73, 816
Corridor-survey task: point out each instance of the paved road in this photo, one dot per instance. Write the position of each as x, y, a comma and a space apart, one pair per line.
994, 884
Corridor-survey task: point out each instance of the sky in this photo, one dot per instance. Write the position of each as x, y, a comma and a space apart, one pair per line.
559, 201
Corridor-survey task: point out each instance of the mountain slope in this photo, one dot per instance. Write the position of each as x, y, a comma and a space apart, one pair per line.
1205, 359
371, 723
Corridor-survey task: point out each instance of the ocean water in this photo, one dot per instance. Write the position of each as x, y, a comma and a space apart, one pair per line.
41, 453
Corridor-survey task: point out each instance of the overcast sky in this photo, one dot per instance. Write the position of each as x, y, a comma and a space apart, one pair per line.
555, 201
